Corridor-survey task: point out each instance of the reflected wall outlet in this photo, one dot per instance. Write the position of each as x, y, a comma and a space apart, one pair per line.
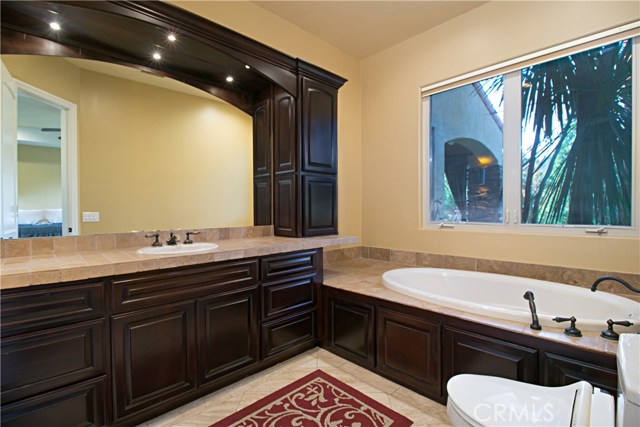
90, 216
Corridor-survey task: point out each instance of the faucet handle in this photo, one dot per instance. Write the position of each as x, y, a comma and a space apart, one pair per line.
188, 241
609, 333
571, 331
157, 237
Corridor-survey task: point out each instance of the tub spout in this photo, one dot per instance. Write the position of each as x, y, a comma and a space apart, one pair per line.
532, 306
615, 279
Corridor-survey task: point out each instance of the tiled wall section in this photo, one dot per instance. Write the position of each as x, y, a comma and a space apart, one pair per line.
59, 245
570, 276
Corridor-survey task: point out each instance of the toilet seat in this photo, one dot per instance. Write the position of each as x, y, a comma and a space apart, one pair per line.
479, 400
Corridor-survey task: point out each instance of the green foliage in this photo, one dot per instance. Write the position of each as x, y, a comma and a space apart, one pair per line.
578, 169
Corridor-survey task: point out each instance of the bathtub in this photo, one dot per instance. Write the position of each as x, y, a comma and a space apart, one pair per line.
502, 297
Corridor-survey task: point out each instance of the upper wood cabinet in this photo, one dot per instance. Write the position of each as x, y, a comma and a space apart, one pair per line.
306, 161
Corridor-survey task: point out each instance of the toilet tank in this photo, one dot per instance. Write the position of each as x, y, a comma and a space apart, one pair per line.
628, 380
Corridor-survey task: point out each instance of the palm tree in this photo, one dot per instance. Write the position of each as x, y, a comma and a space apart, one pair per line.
578, 167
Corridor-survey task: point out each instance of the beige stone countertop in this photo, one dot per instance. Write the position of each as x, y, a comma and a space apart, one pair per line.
363, 276
53, 268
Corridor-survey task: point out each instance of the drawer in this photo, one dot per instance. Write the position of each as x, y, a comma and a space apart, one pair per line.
286, 296
275, 267
81, 404
288, 333
152, 289
28, 310
41, 361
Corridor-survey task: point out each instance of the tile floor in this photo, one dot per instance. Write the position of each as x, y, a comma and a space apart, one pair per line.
215, 406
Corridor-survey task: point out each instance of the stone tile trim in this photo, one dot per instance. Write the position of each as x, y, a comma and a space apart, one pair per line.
11, 248
571, 276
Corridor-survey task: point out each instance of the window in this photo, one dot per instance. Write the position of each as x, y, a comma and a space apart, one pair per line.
549, 145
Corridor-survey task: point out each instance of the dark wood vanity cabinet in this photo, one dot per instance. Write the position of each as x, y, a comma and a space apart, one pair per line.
180, 332
123, 349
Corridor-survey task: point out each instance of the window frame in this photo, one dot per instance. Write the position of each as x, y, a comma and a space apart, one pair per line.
512, 168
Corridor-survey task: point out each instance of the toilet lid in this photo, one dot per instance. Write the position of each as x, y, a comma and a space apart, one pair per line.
492, 401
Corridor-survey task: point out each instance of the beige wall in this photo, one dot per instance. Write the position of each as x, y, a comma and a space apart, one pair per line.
391, 111
150, 158
157, 159
39, 184
265, 27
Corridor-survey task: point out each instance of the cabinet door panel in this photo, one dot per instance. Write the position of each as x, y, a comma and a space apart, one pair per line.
351, 331
262, 138
319, 127
285, 205
469, 353
284, 130
40, 361
228, 333
79, 405
409, 351
320, 205
561, 370
153, 356
262, 201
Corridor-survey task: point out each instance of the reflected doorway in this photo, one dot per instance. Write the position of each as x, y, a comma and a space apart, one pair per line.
45, 175
39, 136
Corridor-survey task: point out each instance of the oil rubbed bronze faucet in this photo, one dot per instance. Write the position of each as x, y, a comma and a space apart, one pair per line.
173, 239
615, 279
532, 306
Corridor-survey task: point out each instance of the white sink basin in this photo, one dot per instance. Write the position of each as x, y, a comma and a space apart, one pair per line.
179, 249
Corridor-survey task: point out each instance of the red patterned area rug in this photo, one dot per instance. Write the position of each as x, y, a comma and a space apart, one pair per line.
316, 400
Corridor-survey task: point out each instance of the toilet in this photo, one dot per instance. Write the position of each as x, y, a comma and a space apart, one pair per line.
480, 400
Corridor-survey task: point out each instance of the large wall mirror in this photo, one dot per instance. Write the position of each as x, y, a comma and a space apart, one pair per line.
153, 157
152, 153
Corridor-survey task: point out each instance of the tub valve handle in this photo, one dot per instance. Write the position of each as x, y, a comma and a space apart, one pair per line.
609, 333
571, 331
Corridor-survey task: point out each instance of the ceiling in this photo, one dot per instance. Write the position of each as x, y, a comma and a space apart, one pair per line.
363, 28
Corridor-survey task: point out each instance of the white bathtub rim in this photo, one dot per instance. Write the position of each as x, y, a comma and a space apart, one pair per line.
520, 315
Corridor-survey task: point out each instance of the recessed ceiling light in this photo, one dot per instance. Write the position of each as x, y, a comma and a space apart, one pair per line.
247, 67
55, 26
171, 37
229, 79
157, 56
